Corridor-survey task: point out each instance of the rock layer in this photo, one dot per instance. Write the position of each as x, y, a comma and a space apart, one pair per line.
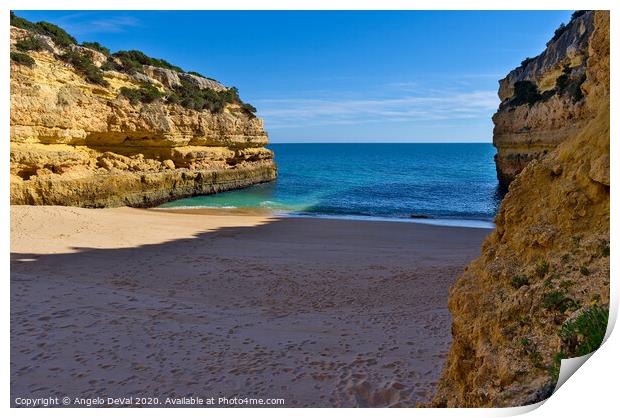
77, 143
526, 131
546, 262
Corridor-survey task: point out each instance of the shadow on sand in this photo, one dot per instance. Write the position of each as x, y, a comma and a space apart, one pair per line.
316, 312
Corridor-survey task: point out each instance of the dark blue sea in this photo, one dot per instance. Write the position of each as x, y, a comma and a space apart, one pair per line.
450, 184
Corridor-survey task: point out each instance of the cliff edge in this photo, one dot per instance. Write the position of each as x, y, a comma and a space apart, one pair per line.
543, 101
540, 290
95, 129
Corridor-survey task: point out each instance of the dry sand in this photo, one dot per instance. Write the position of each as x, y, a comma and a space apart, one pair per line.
131, 302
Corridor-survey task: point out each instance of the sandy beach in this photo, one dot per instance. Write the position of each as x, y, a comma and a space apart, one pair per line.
132, 302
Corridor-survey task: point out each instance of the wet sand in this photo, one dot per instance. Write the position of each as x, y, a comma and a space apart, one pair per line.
319, 312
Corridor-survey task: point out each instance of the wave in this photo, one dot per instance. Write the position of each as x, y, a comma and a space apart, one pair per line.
282, 210
454, 222
194, 207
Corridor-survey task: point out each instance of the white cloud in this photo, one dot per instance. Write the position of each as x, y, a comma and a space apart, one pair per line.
432, 106
88, 23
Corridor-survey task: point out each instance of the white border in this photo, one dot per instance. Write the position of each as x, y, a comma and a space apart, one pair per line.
591, 392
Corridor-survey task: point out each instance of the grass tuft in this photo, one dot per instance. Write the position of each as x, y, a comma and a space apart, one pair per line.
542, 267
585, 333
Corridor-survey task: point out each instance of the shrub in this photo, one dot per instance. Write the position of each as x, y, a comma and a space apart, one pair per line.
150, 93
133, 60
569, 86
231, 95
567, 284
518, 281
558, 301
604, 248
129, 67
190, 96
249, 110
22, 59
525, 92
20, 22
84, 65
527, 61
97, 47
584, 270
574, 89
578, 13
563, 27
31, 43
585, 333
558, 32
196, 74
57, 34
147, 93
133, 95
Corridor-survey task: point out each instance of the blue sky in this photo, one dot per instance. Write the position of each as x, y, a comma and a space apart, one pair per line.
382, 76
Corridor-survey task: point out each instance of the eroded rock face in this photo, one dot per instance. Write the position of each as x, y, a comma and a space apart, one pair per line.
77, 143
526, 131
546, 262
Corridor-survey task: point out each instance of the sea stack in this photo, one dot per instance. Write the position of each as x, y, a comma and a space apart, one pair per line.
94, 129
547, 263
544, 100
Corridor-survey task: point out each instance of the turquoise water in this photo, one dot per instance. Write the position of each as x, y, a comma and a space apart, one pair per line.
448, 183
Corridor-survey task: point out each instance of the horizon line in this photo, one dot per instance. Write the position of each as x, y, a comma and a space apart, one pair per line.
373, 142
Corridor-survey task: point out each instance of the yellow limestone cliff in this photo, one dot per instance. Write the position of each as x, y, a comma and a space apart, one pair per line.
542, 101
546, 263
82, 144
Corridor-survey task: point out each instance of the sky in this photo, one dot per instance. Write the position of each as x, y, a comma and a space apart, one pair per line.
339, 76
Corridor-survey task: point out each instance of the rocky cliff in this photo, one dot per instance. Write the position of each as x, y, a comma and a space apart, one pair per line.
94, 129
542, 101
540, 290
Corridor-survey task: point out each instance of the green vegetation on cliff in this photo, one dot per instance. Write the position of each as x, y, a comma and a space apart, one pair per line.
526, 91
147, 93
22, 59
133, 60
188, 94
85, 66
585, 333
580, 336
57, 34
97, 47
564, 27
31, 44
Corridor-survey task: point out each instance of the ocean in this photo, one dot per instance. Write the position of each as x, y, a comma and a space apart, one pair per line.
447, 184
